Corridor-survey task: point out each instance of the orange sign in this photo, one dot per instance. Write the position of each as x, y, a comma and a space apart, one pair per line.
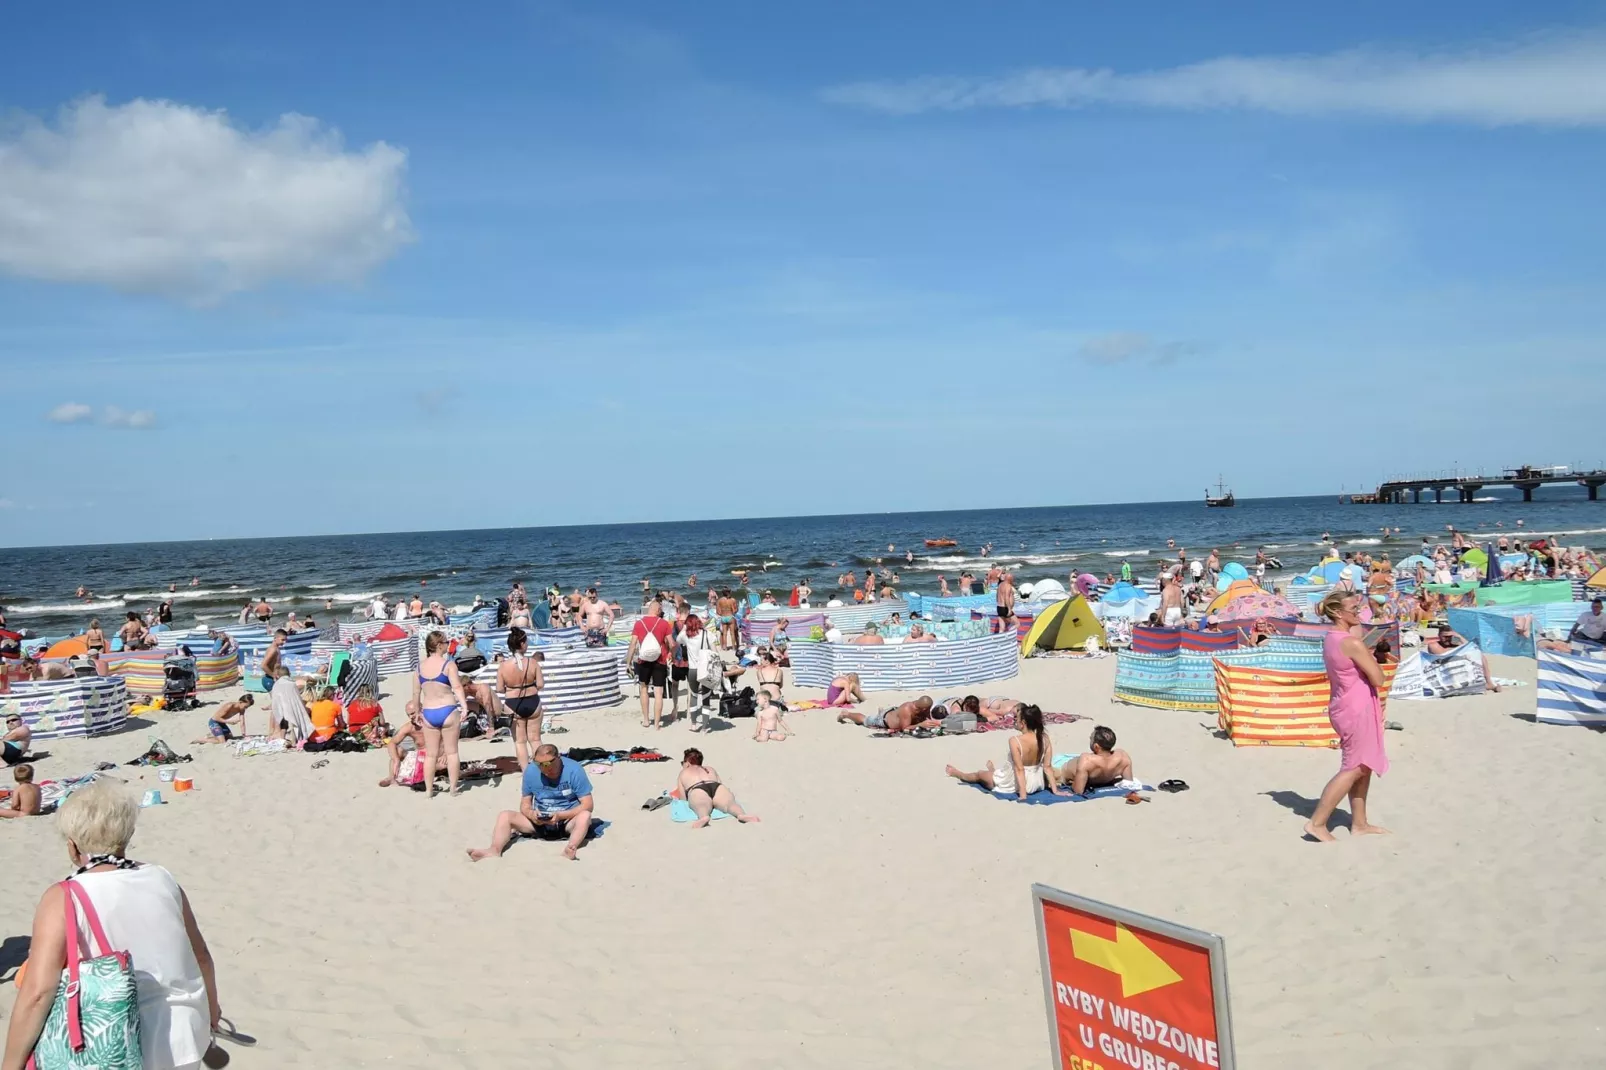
1125, 990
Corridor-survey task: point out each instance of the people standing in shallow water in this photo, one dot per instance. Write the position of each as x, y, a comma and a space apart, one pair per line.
1356, 715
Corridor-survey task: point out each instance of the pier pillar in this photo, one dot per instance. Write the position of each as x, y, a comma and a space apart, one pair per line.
1438, 495
1470, 491
1527, 491
1592, 488
1416, 495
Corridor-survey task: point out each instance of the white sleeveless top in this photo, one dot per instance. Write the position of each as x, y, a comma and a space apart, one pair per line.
143, 914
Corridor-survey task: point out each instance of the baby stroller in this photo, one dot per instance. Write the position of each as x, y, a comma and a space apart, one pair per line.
179, 683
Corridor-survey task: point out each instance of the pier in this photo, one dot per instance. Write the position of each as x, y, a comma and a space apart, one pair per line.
1526, 479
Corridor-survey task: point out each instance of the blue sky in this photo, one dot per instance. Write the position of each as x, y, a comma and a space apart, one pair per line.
309, 268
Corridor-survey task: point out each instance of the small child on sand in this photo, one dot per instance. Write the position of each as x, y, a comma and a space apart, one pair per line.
25, 801
230, 713
770, 721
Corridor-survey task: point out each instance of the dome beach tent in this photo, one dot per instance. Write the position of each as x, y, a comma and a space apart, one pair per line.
1063, 626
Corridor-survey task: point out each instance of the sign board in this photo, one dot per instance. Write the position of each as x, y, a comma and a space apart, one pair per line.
1125, 990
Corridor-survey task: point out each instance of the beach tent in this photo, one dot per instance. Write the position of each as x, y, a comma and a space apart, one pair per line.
68, 648
1597, 581
1409, 564
1256, 606
1230, 572
389, 633
1064, 626
1476, 558
1047, 591
1238, 589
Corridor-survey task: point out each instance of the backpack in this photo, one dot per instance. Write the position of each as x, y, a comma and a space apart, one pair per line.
650, 649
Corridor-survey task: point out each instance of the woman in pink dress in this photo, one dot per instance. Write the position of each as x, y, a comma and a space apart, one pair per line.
1356, 714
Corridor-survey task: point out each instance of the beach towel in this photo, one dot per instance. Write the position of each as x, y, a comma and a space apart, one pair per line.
1048, 719
1048, 798
288, 707
680, 811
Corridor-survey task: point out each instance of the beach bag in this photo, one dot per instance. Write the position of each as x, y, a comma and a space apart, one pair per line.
649, 649
741, 704
411, 769
94, 1021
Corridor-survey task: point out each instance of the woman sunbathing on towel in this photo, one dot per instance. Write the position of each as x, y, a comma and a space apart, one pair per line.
1029, 765
704, 793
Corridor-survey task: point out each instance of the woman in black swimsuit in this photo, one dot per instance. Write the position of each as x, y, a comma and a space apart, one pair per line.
519, 677
704, 793
771, 677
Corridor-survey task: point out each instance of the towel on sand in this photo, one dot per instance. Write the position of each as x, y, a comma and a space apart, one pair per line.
680, 810
1048, 798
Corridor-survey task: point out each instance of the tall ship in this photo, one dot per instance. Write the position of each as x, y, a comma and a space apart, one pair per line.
1222, 499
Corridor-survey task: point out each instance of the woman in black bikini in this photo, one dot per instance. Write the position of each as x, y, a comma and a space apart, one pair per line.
771, 677
519, 677
704, 793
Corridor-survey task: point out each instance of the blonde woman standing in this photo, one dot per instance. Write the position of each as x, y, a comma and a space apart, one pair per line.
1356, 714
438, 693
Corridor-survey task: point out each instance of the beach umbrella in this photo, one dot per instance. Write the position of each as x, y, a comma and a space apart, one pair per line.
1238, 589
68, 648
1491, 575
1256, 606
1597, 581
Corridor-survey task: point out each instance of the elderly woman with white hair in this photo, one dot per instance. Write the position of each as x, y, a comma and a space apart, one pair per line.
143, 912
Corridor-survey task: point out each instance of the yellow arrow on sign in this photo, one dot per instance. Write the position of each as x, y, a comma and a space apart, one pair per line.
1140, 968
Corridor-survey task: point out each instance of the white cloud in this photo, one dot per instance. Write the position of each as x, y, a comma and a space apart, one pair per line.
69, 412
72, 412
135, 420
1131, 347
163, 198
1546, 81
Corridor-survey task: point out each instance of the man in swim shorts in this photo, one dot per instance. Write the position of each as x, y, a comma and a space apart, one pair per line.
1006, 603
1101, 767
1170, 602
895, 718
272, 658
230, 713
596, 617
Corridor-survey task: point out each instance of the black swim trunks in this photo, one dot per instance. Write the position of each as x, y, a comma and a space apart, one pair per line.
652, 673
525, 706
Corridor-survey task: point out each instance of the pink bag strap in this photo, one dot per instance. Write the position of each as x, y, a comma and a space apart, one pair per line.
72, 893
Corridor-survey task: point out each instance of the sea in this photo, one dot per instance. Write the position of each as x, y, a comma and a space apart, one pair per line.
335, 575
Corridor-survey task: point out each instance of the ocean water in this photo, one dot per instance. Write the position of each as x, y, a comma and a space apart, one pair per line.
38, 585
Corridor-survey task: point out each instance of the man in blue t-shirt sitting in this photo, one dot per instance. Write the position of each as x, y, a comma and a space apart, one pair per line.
556, 802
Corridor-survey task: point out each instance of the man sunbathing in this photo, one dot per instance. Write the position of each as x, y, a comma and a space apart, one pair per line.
895, 719
1101, 767
871, 636
414, 727
25, 799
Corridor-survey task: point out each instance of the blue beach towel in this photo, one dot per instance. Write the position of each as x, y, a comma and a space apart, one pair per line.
680, 810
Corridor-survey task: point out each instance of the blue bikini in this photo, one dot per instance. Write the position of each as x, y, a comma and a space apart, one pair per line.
436, 718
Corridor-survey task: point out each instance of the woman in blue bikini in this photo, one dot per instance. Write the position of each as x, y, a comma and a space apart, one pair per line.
438, 694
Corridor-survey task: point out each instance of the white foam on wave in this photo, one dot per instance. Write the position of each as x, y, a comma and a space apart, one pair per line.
183, 594
326, 586
1362, 542
1126, 553
367, 596
47, 609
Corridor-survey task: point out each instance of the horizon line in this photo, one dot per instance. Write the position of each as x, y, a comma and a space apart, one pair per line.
629, 523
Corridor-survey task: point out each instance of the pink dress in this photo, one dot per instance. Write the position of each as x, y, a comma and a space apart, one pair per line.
1354, 710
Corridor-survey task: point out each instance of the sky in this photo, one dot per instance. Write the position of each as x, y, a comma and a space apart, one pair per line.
301, 269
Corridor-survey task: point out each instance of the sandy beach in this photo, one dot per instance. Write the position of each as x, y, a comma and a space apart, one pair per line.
880, 914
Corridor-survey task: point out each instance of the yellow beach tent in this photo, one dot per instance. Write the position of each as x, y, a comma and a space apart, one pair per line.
1063, 626
1597, 581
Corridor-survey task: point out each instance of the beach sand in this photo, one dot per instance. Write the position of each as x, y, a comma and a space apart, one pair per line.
881, 915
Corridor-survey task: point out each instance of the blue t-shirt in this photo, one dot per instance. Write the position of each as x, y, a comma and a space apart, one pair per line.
556, 796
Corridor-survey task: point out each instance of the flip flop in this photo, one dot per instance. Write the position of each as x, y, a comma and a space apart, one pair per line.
1173, 785
226, 1030
1394, 726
